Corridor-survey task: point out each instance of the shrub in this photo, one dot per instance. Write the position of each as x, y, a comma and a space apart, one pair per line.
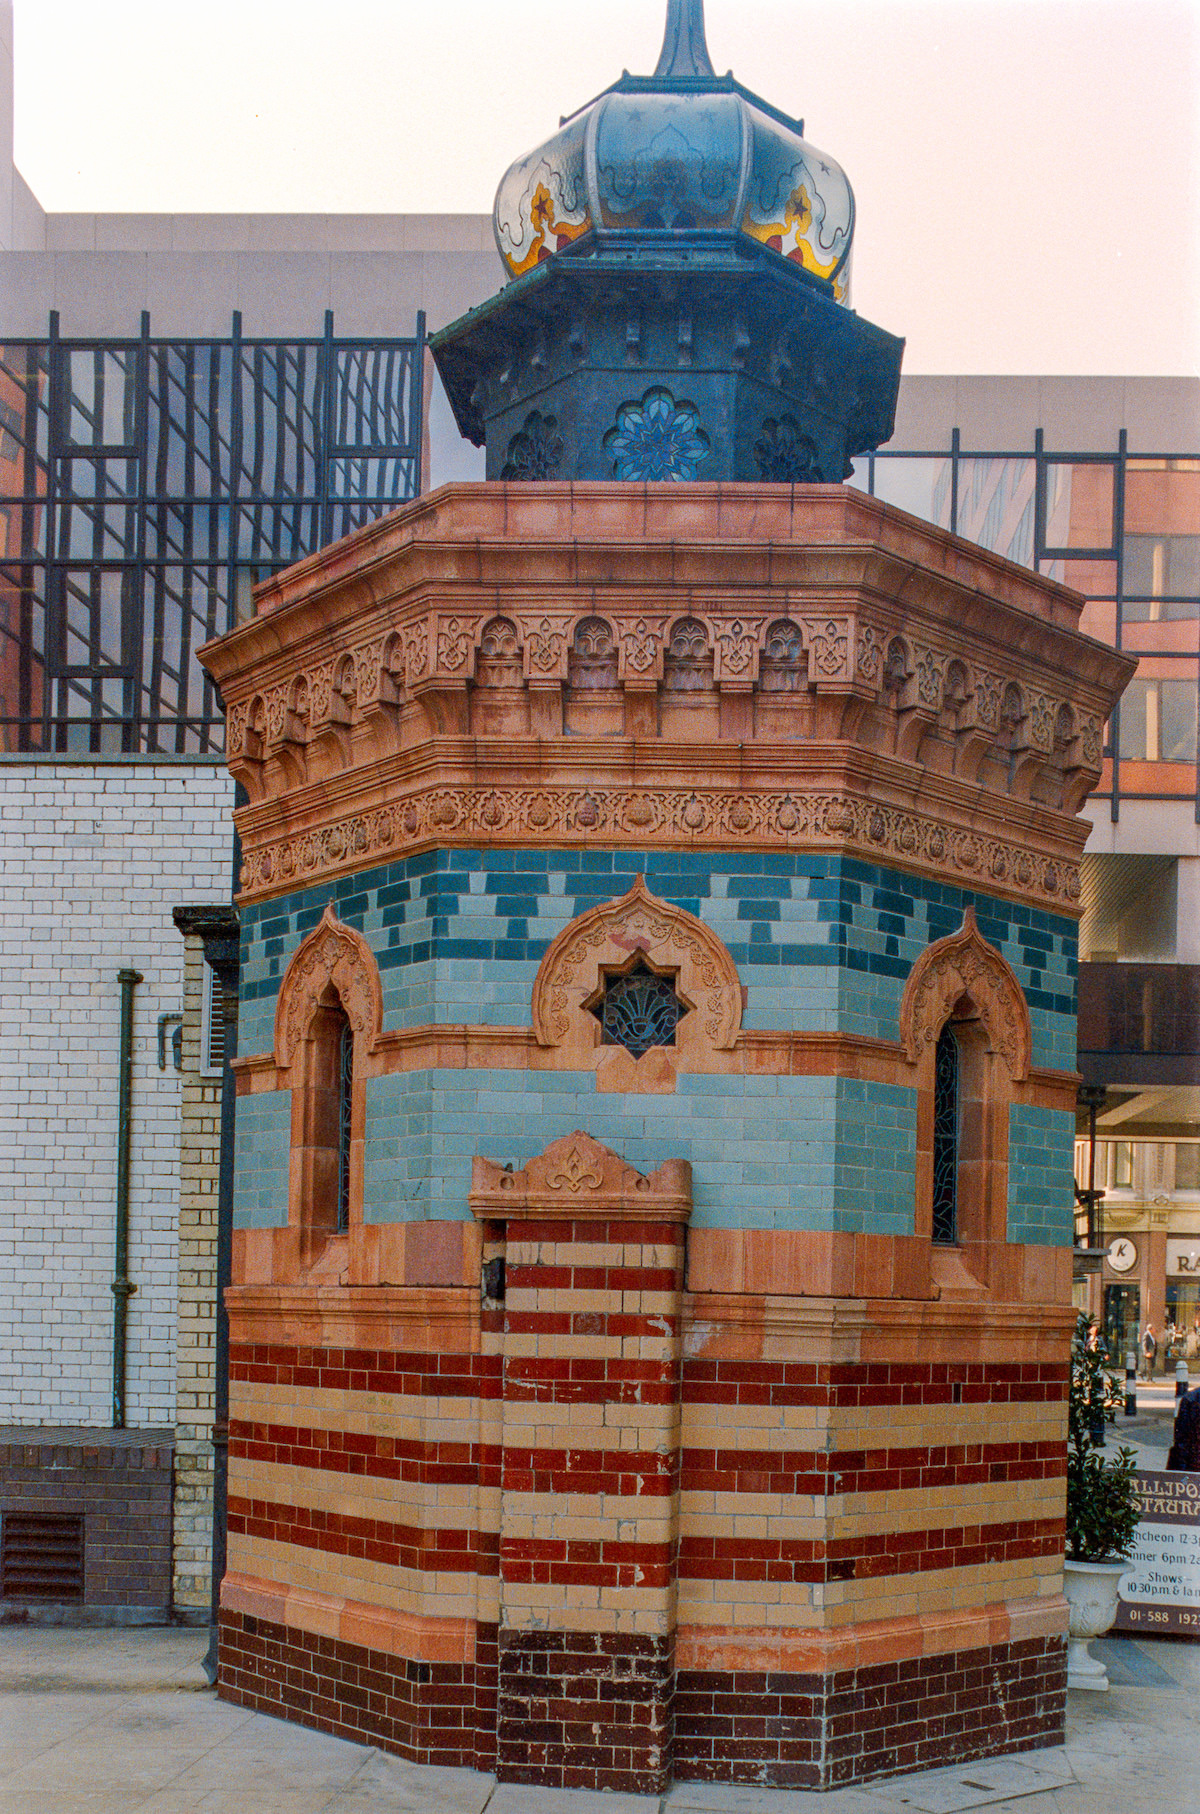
1102, 1506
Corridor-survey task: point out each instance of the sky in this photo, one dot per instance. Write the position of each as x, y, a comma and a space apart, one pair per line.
1026, 171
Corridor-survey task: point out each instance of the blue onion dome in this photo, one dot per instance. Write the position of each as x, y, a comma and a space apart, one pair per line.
682, 155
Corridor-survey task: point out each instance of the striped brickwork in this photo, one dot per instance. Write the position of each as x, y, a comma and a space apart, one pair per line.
609, 1528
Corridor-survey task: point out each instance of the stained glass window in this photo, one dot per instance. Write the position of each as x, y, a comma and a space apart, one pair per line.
639, 1010
945, 1139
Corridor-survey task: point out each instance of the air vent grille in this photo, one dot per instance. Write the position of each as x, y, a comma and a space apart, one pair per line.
41, 1558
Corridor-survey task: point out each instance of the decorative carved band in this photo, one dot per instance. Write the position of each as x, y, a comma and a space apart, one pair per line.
966, 965
333, 955
445, 648
577, 1177
672, 818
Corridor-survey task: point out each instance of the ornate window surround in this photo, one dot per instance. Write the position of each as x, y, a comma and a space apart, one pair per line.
965, 982
334, 968
672, 942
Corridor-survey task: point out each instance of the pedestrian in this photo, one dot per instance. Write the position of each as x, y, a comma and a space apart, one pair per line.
1149, 1352
1184, 1455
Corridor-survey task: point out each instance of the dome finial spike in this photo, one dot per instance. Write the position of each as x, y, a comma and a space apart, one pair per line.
684, 53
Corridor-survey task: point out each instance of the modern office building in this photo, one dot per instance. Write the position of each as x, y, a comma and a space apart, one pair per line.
188, 404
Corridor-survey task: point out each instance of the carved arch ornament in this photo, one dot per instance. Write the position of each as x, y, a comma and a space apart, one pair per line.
965, 964
608, 940
334, 955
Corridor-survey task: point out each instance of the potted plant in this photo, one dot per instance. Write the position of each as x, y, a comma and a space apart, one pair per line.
1102, 1506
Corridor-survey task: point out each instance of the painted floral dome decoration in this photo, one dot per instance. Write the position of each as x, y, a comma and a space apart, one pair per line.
683, 153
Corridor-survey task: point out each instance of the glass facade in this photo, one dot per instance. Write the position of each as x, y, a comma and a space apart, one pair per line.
1124, 530
145, 485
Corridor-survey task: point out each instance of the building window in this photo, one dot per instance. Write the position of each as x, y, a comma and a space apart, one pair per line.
1158, 720
1162, 573
945, 1139
639, 1010
1187, 1167
1121, 1163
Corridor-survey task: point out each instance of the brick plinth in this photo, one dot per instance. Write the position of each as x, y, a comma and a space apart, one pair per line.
603, 1711
584, 1710
428, 1712
807, 1731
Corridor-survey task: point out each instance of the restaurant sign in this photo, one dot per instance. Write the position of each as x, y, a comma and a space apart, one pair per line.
1183, 1255
1159, 1592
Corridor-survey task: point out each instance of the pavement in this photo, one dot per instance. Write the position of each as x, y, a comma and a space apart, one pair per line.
122, 1722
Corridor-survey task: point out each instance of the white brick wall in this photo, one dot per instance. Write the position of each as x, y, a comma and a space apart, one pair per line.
94, 859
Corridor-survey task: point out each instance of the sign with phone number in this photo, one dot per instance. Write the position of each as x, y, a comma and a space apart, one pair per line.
1160, 1590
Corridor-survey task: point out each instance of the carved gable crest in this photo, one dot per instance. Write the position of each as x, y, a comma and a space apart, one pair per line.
966, 965
576, 1176
332, 954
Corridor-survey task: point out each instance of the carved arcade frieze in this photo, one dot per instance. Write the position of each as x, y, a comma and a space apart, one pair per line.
666, 705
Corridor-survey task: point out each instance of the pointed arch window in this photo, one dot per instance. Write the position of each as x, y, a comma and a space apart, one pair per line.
345, 1076
323, 1140
946, 1137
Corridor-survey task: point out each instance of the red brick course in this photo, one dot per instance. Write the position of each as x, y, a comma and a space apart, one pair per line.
372, 1539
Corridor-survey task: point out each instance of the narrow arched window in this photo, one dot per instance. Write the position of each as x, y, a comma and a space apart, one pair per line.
325, 1129
345, 1072
945, 1138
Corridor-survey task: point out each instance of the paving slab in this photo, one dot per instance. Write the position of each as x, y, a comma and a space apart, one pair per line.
59, 1659
403, 1788
514, 1798
741, 1798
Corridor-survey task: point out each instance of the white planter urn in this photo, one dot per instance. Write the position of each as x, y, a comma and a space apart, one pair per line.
1091, 1590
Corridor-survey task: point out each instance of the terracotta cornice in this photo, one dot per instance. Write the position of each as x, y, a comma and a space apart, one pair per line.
583, 521
940, 711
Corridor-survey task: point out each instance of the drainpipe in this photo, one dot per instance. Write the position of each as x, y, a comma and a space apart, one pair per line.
227, 975
122, 1289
